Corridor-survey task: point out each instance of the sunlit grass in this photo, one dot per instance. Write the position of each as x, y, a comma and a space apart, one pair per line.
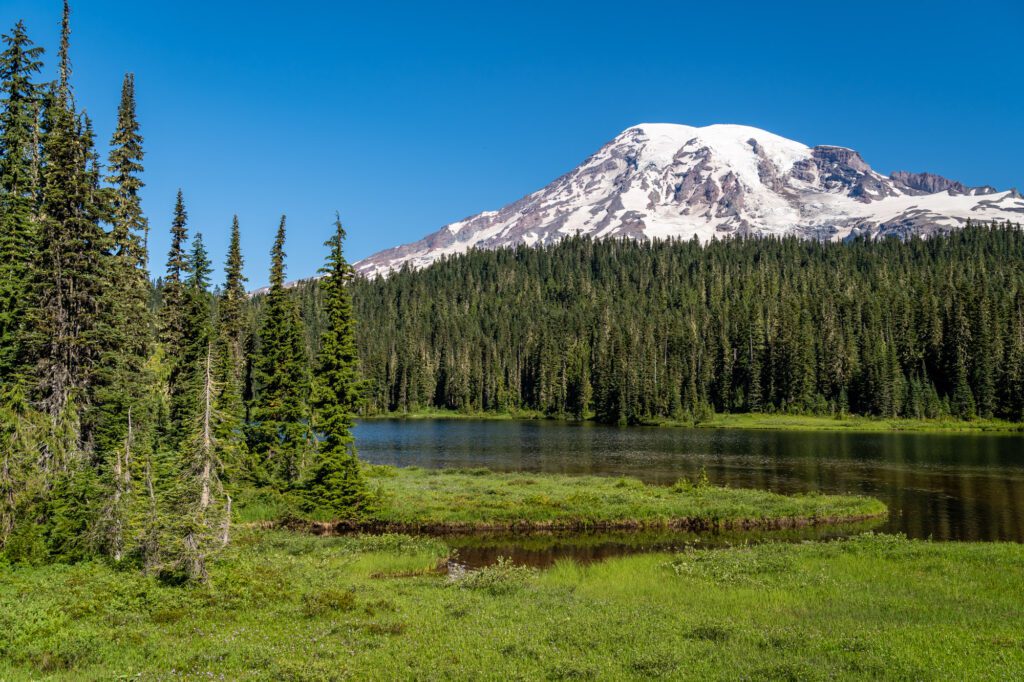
412, 498
284, 606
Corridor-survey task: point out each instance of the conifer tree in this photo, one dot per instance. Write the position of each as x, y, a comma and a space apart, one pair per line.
130, 226
18, 194
26, 477
67, 338
233, 298
68, 287
124, 410
230, 358
196, 335
336, 485
279, 428
173, 294
202, 504
64, 57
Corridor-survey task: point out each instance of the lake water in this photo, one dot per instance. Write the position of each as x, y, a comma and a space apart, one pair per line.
942, 486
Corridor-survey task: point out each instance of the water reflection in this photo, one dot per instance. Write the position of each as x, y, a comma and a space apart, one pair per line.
543, 549
944, 486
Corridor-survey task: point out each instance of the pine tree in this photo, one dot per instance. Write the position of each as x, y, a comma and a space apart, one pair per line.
279, 429
336, 485
18, 194
64, 58
230, 358
196, 335
173, 323
130, 227
233, 299
201, 503
22, 429
124, 412
173, 292
68, 287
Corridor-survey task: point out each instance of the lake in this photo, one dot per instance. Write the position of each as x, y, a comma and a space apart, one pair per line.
940, 486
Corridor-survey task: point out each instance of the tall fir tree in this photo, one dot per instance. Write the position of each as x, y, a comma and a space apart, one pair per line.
22, 429
19, 121
233, 299
196, 336
172, 311
336, 485
201, 505
64, 57
187, 511
173, 317
66, 339
69, 287
230, 358
124, 412
279, 428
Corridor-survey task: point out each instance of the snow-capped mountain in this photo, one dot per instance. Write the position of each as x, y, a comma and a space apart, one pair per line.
661, 180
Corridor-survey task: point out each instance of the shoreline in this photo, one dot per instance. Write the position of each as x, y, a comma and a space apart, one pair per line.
683, 524
745, 421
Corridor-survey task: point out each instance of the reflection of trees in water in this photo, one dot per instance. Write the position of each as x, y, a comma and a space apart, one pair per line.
542, 549
943, 486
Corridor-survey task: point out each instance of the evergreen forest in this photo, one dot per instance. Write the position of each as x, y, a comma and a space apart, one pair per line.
130, 412
627, 332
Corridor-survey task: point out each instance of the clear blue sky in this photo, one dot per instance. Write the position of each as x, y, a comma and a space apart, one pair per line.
405, 116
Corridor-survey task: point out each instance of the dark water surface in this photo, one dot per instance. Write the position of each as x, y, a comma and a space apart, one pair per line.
942, 486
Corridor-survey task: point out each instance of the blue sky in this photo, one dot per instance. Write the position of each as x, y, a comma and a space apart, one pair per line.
406, 116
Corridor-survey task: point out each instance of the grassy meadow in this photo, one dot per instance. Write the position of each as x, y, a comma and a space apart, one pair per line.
282, 606
413, 499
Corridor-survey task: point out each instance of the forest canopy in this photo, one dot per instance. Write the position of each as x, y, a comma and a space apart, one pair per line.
627, 331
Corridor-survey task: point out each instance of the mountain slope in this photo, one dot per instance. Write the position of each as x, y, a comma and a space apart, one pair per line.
661, 180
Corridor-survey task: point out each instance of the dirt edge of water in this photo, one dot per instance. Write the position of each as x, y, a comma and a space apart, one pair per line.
572, 525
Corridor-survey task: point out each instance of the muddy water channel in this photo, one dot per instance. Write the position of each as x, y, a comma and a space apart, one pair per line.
942, 486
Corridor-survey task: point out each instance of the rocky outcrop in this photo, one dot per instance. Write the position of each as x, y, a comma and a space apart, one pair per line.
838, 169
927, 183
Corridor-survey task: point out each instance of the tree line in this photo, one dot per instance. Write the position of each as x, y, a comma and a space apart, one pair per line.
627, 332
129, 411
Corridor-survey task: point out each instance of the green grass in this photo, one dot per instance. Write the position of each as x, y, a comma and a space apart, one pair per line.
289, 607
759, 421
414, 499
852, 423
441, 413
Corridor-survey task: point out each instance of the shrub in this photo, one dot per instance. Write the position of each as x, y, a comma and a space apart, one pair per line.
683, 485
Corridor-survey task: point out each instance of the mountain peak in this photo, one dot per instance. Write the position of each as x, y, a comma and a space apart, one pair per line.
673, 181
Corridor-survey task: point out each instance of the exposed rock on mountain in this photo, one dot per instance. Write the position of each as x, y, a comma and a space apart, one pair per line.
661, 181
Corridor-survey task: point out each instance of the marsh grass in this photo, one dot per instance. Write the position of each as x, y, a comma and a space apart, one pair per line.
284, 606
478, 499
